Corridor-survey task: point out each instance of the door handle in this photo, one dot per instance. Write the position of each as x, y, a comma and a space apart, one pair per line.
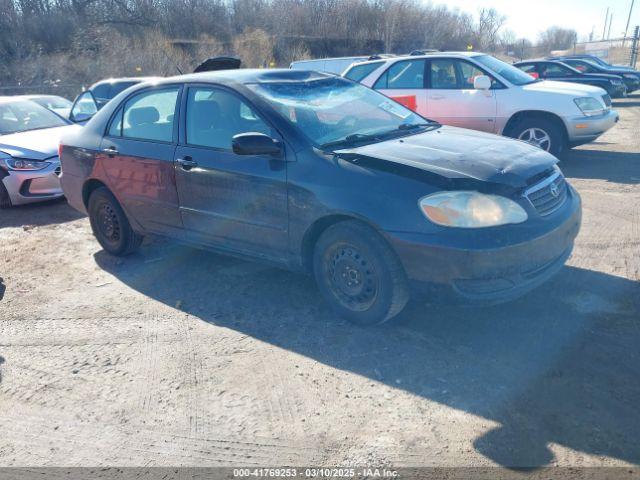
186, 162
436, 97
111, 151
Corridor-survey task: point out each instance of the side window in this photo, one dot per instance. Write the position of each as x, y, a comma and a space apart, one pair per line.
583, 67
442, 74
215, 116
468, 72
529, 68
116, 88
359, 72
101, 91
150, 115
408, 74
553, 70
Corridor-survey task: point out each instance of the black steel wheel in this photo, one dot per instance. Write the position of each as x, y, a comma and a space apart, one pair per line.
359, 274
110, 224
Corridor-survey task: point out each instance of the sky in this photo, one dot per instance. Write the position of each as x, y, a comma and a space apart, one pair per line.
528, 18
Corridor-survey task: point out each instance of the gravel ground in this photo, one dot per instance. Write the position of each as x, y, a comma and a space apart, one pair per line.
176, 356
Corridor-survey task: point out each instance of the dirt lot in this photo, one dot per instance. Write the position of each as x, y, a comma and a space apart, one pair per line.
176, 356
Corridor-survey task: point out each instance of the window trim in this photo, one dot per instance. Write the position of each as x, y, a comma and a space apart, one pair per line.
386, 71
182, 140
123, 104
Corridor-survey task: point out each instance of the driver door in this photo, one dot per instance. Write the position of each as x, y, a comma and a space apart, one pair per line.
452, 98
234, 202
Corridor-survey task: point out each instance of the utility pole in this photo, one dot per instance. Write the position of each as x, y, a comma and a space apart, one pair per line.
606, 19
626, 29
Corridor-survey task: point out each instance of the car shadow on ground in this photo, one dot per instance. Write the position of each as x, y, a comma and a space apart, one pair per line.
560, 365
625, 104
39, 214
617, 167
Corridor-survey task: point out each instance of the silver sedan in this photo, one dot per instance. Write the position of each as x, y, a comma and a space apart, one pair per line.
29, 165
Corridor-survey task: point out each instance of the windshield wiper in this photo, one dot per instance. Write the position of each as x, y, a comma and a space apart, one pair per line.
351, 139
412, 126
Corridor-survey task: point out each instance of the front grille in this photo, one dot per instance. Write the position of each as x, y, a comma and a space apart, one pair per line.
548, 195
607, 100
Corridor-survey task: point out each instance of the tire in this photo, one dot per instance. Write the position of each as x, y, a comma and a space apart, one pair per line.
540, 126
5, 200
110, 224
358, 274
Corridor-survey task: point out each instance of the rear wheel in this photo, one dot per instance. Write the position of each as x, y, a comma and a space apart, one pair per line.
110, 225
5, 200
359, 274
540, 132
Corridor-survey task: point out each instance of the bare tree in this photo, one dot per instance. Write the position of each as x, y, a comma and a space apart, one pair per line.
557, 38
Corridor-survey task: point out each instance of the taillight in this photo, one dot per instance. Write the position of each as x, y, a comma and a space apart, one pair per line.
60, 150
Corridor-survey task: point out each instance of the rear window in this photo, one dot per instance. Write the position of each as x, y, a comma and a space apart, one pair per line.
357, 73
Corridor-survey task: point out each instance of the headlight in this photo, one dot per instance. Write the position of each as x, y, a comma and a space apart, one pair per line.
23, 164
470, 209
589, 106
631, 76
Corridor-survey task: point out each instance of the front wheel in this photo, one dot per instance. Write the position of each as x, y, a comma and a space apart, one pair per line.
359, 274
110, 224
540, 132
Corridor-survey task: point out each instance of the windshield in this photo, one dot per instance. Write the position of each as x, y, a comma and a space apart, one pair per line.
335, 112
508, 72
53, 102
25, 115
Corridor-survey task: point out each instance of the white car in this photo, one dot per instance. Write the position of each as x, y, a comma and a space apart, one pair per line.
478, 91
335, 65
29, 165
55, 103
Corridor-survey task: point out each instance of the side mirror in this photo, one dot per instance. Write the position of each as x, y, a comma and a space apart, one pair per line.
482, 82
254, 143
84, 107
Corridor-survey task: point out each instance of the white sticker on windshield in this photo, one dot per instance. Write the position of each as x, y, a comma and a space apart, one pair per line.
395, 109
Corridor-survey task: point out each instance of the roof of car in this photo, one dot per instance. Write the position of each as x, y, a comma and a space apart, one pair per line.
248, 75
123, 79
426, 55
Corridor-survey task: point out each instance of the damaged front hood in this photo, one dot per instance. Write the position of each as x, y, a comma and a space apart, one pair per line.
457, 153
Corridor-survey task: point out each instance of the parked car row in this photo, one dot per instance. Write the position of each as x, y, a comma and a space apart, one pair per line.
364, 180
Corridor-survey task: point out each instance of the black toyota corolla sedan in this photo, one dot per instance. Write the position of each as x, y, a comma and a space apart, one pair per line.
314, 172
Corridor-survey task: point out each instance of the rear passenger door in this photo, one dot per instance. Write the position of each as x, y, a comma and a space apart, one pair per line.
452, 99
234, 202
137, 157
404, 81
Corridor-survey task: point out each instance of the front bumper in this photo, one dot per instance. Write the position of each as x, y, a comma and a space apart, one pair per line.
586, 129
489, 266
30, 186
